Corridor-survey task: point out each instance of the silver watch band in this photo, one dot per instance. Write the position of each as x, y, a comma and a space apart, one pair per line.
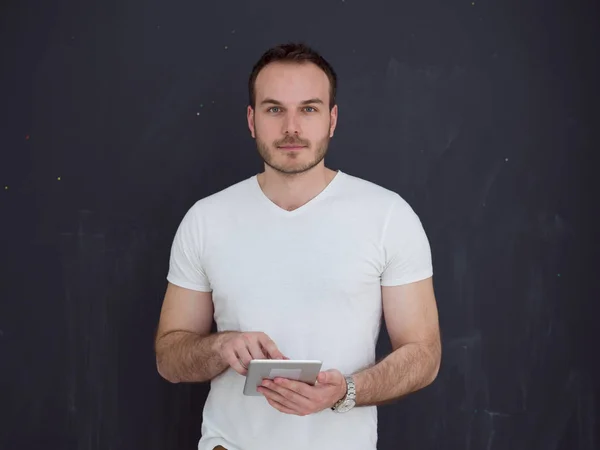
350, 396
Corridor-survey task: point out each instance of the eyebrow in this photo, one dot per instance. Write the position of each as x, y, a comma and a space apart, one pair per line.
272, 101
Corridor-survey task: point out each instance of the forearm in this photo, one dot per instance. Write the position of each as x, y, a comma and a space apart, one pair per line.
183, 356
406, 370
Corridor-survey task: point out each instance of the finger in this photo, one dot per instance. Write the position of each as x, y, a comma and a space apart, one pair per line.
298, 387
267, 343
243, 358
278, 406
289, 394
268, 354
280, 399
330, 377
254, 348
234, 362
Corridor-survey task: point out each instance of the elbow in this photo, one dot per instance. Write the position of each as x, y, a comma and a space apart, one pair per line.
428, 378
163, 369
162, 365
434, 368
433, 374
165, 374
430, 364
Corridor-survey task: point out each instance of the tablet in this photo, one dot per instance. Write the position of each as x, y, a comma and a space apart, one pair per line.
294, 369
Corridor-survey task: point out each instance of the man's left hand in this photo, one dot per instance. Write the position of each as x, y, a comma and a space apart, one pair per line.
301, 399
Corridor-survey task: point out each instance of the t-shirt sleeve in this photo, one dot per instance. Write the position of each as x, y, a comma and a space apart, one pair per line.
406, 247
185, 264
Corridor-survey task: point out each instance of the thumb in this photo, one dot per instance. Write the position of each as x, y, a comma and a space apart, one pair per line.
327, 377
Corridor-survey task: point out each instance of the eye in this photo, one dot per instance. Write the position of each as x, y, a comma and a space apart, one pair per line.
310, 108
272, 108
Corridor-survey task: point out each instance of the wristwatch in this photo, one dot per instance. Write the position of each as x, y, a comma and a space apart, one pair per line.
349, 400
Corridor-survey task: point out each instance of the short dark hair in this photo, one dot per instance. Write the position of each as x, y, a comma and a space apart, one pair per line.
293, 52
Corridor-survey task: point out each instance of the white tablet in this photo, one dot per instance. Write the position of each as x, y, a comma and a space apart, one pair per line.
294, 369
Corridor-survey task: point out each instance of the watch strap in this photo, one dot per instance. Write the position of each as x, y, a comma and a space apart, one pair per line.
350, 392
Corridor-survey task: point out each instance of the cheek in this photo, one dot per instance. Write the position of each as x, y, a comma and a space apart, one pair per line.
317, 128
266, 128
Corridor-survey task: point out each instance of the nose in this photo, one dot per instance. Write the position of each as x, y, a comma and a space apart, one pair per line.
290, 124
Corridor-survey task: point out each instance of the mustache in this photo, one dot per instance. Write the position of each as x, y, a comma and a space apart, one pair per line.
292, 140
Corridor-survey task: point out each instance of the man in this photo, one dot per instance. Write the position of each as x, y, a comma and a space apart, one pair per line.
298, 262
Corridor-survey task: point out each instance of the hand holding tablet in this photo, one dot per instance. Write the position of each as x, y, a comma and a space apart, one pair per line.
255, 355
293, 369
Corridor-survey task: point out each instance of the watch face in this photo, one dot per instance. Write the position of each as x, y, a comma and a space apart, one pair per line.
346, 406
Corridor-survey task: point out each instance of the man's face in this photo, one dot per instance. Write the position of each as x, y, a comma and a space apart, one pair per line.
291, 122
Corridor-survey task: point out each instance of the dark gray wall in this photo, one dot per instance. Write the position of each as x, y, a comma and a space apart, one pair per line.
482, 115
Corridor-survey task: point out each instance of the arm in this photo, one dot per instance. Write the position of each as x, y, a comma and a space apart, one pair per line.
185, 349
411, 319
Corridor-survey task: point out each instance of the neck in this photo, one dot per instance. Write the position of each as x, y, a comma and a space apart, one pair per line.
290, 192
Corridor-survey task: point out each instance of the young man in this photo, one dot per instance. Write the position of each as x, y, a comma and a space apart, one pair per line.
298, 262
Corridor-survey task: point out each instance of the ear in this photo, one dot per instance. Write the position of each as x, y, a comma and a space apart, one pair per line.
250, 116
333, 115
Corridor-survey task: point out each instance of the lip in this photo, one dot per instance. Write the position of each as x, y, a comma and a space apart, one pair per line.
291, 147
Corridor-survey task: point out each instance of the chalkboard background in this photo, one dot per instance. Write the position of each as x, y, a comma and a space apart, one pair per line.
117, 115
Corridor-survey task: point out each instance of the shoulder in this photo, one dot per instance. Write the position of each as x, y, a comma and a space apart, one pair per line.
376, 196
230, 197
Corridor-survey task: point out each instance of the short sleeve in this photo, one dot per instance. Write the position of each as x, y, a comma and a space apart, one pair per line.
406, 247
185, 264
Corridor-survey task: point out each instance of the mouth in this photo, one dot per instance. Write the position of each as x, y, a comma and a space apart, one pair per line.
291, 147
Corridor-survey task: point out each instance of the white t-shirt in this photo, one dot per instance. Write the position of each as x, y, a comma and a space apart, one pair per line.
311, 280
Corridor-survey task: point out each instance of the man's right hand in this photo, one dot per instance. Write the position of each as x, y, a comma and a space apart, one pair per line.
239, 348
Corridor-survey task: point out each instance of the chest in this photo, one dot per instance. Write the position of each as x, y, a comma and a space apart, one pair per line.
290, 274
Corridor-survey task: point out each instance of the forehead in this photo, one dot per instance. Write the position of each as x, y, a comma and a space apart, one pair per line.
292, 82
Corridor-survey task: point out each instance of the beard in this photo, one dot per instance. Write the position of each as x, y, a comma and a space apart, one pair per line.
292, 163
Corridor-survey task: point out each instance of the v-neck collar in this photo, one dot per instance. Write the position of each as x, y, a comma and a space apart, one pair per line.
270, 204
